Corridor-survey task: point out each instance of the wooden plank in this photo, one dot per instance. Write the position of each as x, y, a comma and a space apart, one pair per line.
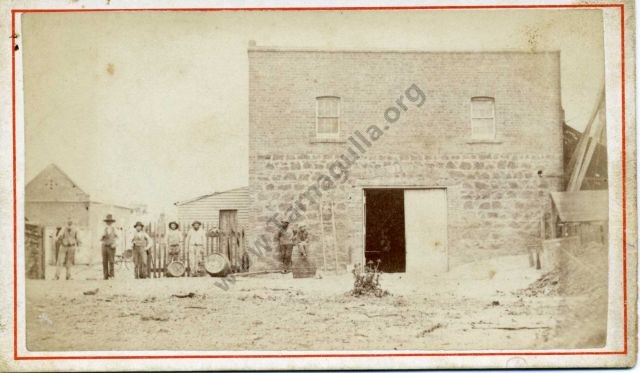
593, 144
554, 223
43, 266
324, 255
150, 258
155, 251
183, 247
160, 248
242, 249
165, 257
582, 143
581, 157
334, 233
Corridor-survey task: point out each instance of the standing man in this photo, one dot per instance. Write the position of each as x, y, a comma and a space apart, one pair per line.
195, 242
141, 243
109, 239
285, 238
69, 241
174, 238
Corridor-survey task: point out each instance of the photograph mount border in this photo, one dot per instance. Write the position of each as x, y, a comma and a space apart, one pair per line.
625, 350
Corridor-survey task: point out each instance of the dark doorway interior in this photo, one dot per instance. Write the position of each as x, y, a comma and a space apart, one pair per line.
384, 223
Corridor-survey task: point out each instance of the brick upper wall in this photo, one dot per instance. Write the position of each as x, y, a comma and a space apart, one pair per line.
526, 88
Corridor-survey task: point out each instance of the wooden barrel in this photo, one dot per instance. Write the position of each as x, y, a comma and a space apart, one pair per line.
176, 269
217, 265
302, 267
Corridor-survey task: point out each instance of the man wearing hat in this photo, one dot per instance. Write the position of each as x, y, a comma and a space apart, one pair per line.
109, 239
195, 242
141, 243
174, 238
69, 241
285, 238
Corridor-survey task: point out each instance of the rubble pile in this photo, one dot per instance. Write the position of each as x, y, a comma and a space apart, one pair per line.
581, 273
548, 284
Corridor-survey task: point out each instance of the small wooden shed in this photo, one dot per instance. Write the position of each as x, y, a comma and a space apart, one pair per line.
583, 213
230, 209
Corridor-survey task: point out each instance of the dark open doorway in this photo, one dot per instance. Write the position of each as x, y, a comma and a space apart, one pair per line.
384, 227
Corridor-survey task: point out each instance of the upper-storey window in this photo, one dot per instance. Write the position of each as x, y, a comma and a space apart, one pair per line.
483, 121
328, 117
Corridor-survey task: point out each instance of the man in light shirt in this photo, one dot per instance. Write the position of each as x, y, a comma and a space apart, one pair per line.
195, 242
141, 243
109, 239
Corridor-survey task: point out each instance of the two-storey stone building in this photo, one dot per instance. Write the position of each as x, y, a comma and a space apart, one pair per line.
456, 152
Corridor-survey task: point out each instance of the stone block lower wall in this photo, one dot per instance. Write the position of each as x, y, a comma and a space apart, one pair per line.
495, 201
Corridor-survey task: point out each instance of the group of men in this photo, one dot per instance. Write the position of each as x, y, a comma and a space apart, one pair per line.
68, 240
194, 241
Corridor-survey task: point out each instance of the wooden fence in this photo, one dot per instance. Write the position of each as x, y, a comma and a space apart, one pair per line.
594, 231
34, 251
231, 244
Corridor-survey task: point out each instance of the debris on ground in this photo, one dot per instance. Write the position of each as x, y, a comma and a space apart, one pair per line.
257, 273
547, 284
154, 318
188, 295
364, 322
91, 292
429, 330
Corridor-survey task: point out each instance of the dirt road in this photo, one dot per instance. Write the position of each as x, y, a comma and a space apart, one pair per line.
475, 306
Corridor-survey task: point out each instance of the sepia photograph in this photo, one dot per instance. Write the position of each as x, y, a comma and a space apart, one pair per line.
322, 180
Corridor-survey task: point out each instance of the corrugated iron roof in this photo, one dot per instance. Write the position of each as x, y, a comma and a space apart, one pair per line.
582, 206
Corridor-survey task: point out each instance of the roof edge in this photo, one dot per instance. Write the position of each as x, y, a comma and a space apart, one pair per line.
181, 203
267, 49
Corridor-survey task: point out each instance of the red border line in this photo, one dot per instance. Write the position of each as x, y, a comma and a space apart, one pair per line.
425, 7
14, 173
624, 181
346, 355
337, 355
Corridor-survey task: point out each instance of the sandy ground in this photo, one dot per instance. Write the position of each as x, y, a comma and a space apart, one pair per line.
475, 306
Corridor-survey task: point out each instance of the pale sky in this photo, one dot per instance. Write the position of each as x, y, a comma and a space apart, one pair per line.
152, 107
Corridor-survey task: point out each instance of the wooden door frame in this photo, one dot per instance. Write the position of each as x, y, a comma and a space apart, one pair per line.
220, 216
364, 188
